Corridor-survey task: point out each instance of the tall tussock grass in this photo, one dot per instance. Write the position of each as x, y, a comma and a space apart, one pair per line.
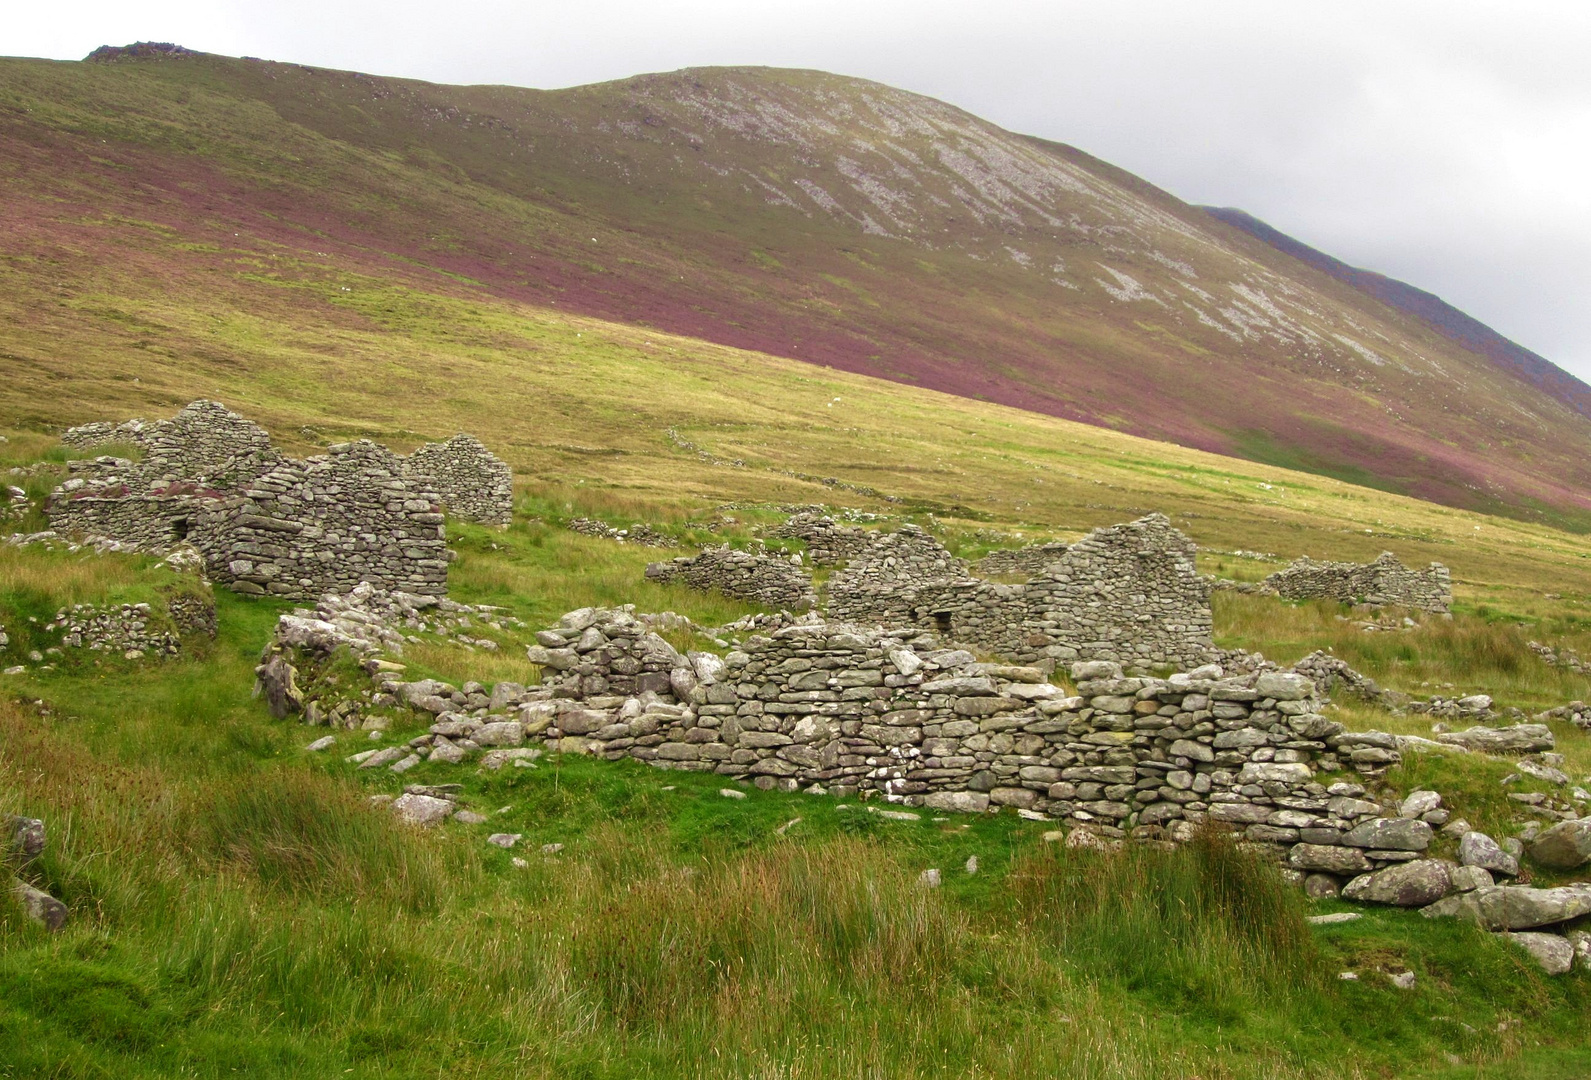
1205, 924
842, 916
302, 832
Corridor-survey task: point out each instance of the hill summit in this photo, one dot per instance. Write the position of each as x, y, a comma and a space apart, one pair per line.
808, 215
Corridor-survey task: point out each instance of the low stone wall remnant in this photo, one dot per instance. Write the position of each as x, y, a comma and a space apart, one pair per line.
1384, 581
758, 577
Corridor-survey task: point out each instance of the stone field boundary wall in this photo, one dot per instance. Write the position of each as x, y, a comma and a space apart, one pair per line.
1384, 581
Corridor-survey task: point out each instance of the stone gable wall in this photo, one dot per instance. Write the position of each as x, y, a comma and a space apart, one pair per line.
1384, 581
1130, 594
325, 525
757, 577
472, 482
203, 443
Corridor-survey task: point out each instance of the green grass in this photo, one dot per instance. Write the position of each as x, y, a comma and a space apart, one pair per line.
237, 906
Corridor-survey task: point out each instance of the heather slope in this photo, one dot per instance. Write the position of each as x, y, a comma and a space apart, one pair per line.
796, 213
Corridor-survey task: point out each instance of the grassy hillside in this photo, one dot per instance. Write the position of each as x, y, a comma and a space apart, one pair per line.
825, 219
237, 907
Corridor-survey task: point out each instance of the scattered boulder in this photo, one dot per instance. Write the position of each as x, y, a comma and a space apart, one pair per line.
419, 809
39, 905
1563, 846
1515, 907
1519, 739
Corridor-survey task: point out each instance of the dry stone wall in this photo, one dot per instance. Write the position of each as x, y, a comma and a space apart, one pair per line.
325, 525
828, 542
1028, 561
472, 482
1130, 594
266, 523
759, 577
1384, 581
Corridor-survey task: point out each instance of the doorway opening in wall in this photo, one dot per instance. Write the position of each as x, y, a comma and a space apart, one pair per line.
179, 528
942, 621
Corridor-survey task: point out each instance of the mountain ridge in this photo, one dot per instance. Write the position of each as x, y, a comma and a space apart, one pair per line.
823, 218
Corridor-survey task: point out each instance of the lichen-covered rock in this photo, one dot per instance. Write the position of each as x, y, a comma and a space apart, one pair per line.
1519, 739
1553, 953
1477, 849
1390, 834
1563, 846
1411, 884
1515, 907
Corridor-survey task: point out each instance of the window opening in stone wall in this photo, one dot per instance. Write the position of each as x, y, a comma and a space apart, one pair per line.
179, 528
942, 621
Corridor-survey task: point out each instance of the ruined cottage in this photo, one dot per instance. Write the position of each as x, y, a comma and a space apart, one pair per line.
270, 524
1384, 581
1128, 594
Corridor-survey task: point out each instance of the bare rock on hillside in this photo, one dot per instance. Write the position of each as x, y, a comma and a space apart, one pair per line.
1519, 739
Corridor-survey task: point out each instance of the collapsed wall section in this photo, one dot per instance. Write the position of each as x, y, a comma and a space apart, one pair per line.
1384, 581
473, 483
758, 577
1129, 594
1026, 561
325, 525
828, 542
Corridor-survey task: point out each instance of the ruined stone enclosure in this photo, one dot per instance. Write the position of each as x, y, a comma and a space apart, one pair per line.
1384, 581
1129, 594
270, 524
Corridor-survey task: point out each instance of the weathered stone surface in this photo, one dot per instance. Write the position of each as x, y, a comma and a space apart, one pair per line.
967, 802
1553, 953
1563, 846
1411, 884
422, 809
1516, 907
1519, 739
39, 905
1284, 686
1390, 834
1327, 858
1477, 849
503, 733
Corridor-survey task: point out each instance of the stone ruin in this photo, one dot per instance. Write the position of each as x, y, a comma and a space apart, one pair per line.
1026, 561
1384, 581
1129, 594
828, 542
269, 524
758, 577
899, 718
471, 481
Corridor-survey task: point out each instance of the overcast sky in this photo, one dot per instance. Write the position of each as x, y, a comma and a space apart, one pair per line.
1444, 142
